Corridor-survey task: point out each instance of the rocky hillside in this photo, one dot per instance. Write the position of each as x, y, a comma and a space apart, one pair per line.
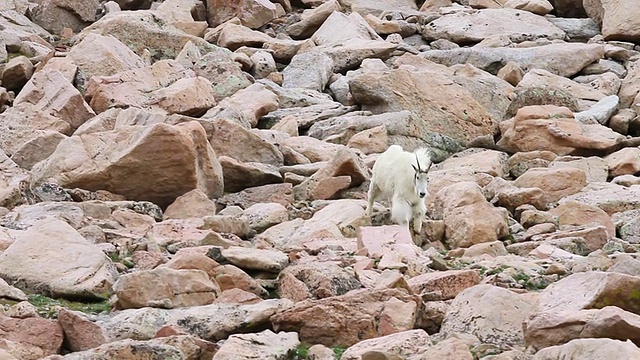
186, 179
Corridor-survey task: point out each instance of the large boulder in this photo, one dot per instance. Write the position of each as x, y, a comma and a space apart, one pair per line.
52, 92
491, 313
432, 101
554, 129
42, 337
517, 25
66, 265
596, 349
146, 29
350, 318
209, 322
564, 59
165, 288
618, 19
157, 163
591, 290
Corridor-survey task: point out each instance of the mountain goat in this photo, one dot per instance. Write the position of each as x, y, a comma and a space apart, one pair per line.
401, 176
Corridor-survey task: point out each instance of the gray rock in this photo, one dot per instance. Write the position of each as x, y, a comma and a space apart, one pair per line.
309, 70
600, 112
210, 322
575, 28
564, 59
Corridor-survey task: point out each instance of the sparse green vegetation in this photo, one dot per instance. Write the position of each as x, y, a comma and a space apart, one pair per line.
339, 350
47, 307
497, 270
301, 352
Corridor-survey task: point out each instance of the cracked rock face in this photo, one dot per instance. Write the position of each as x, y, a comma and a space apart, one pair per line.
189, 179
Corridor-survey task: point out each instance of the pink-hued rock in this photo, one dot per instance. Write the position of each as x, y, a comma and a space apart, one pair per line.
42, 333
165, 288
80, 332
349, 318
443, 285
554, 129
50, 91
157, 163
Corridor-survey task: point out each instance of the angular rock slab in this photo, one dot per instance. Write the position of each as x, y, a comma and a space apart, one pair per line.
209, 322
565, 59
592, 290
555, 129
491, 313
348, 319
64, 265
595, 349
156, 163
429, 96
552, 328
463, 27
165, 288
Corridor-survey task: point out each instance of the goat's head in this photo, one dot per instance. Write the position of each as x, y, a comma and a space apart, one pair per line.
421, 178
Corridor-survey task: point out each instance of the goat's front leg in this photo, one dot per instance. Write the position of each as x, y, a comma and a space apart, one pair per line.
400, 211
419, 211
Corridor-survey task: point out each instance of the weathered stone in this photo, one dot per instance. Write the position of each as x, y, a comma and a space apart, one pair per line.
461, 27
165, 288
564, 59
312, 19
575, 213
278, 193
194, 203
493, 314
317, 280
236, 141
590, 290
556, 183
232, 277
173, 347
616, 22
50, 91
146, 29
443, 285
245, 106
555, 130
265, 344
80, 332
333, 321
16, 73
182, 148
404, 343
256, 259
262, 216
381, 92
624, 161
43, 334
209, 322
309, 70
90, 275
592, 348
252, 13
611, 198
546, 329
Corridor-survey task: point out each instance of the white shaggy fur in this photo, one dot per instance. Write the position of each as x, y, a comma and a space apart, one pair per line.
402, 177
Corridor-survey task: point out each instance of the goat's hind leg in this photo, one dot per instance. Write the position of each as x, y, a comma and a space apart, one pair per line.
372, 195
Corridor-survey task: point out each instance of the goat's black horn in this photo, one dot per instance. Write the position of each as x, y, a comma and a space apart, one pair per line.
417, 162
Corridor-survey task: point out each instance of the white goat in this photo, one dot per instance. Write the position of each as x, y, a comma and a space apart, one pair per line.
402, 177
